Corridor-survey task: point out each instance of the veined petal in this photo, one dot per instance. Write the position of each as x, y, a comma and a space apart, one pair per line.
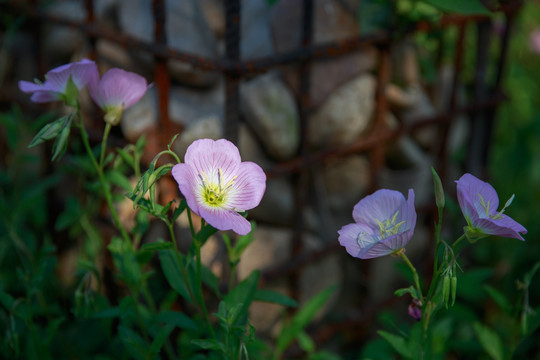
223, 219
408, 213
248, 188
378, 206
481, 195
30, 87
44, 96
188, 185
504, 226
118, 87
356, 237
83, 73
208, 156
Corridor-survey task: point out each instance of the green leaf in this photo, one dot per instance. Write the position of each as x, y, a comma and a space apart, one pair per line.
243, 294
119, 179
210, 279
60, 145
156, 246
499, 298
173, 273
133, 343
48, 132
490, 341
209, 344
179, 209
306, 342
410, 290
160, 338
467, 7
398, 343
302, 319
274, 297
176, 318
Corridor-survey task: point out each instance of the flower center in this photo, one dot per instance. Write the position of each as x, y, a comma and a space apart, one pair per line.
389, 227
213, 193
496, 215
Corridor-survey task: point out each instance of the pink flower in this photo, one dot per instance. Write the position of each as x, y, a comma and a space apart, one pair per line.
117, 90
479, 202
62, 83
384, 224
534, 41
217, 184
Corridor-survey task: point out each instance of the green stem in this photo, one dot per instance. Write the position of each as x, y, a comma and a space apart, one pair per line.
415, 274
104, 144
104, 185
455, 244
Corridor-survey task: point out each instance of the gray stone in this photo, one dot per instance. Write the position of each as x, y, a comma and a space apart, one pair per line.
346, 181
255, 30
332, 22
186, 29
344, 115
270, 108
61, 42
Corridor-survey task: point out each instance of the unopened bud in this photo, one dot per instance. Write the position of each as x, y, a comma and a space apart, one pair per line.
453, 289
438, 188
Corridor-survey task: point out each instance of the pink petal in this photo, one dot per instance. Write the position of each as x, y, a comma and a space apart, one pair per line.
469, 189
504, 227
44, 96
118, 87
380, 206
208, 156
84, 72
348, 237
223, 219
188, 185
248, 188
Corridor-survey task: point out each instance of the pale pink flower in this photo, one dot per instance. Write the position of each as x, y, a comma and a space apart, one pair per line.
217, 185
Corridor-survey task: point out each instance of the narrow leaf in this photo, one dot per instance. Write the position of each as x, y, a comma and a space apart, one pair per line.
302, 319
398, 343
173, 273
274, 297
243, 294
160, 338
490, 341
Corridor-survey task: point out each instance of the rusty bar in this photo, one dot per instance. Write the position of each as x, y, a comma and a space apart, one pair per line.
479, 119
380, 128
161, 75
254, 66
501, 67
301, 180
445, 128
232, 80
90, 19
367, 143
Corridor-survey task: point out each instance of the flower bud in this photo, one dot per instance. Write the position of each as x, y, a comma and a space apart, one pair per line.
438, 189
446, 289
453, 289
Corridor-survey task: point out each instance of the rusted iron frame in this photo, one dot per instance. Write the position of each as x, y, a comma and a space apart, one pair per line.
501, 68
161, 73
244, 67
232, 78
380, 127
301, 180
444, 130
478, 140
366, 143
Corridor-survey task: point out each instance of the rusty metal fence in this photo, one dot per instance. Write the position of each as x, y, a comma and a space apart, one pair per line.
480, 106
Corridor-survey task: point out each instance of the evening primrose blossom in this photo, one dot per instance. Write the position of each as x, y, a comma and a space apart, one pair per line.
479, 202
384, 224
62, 83
116, 91
217, 185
